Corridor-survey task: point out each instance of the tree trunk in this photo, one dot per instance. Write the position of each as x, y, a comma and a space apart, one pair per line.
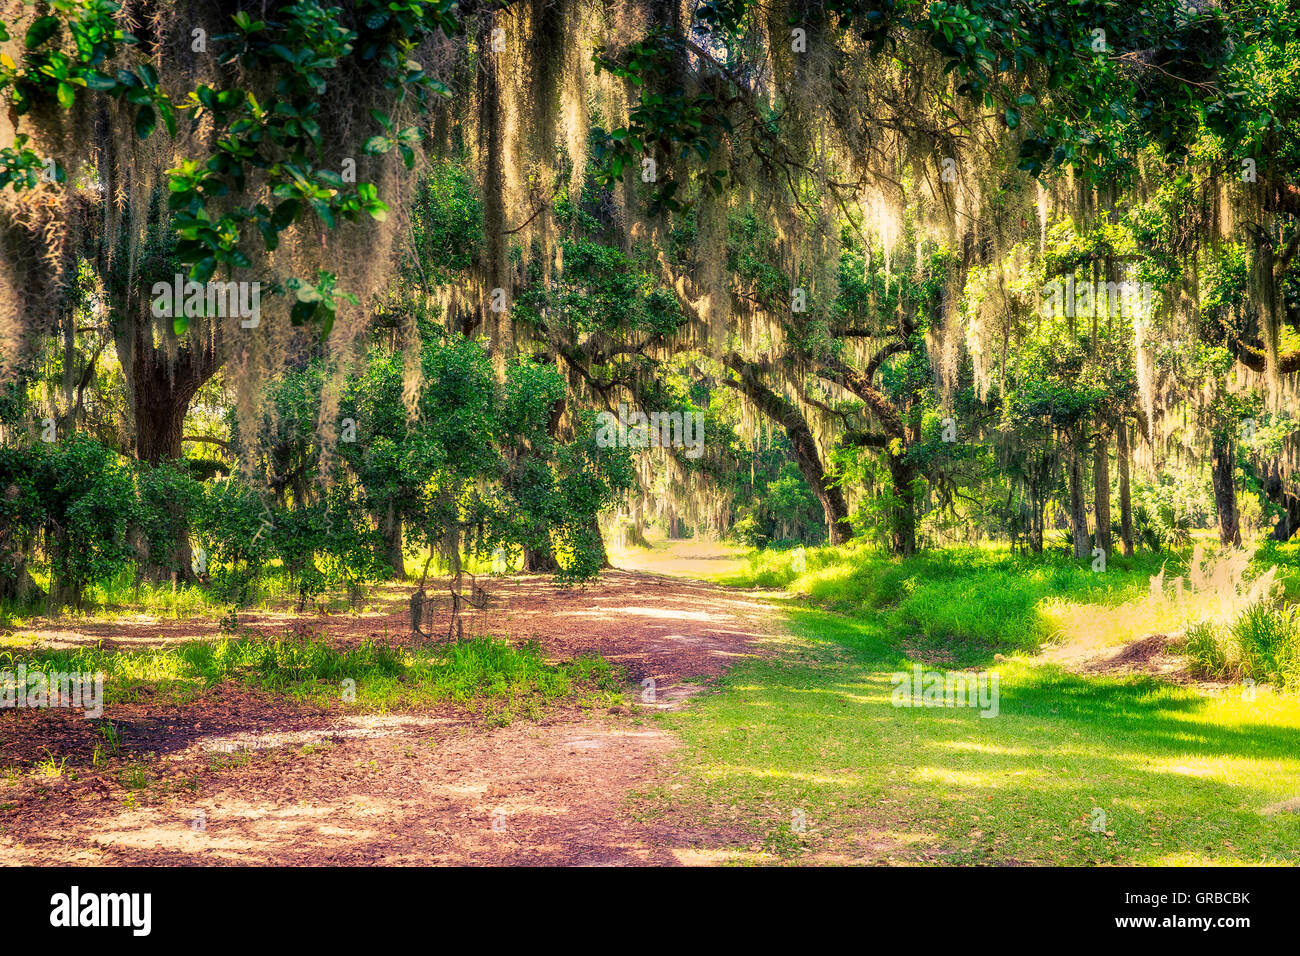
540, 560
161, 383
806, 454
1223, 464
390, 528
160, 387
1125, 500
836, 511
493, 147
16, 582
1101, 489
176, 565
159, 417
1078, 504
1289, 523
903, 520
600, 544
1035, 531
63, 593
1275, 488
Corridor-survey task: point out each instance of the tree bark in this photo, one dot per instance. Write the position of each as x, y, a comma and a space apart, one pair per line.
1078, 504
1039, 504
1289, 523
540, 560
1101, 489
902, 473
600, 543
1125, 499
161, 379
1275, 488
1223, 464
390, 528
493, 149
903, 532
806, 454
161, 389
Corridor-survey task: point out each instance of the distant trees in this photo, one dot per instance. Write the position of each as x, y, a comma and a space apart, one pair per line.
479, 224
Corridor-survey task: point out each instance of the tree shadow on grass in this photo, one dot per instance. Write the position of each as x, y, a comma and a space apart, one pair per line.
1168, 771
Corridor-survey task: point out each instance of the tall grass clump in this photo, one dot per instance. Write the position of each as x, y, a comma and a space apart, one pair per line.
1261, 643
965, 603
483, 673
969, 603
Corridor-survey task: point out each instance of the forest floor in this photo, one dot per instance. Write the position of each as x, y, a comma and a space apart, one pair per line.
749, 725
236, 775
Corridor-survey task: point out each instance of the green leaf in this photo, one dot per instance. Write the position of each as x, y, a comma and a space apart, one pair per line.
42, 29
203, 270
99, 81
145, 122
270, 237
285, 213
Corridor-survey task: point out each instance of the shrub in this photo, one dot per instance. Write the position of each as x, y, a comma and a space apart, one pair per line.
748, 533
89, 498
22, 516
234, 525
167, 498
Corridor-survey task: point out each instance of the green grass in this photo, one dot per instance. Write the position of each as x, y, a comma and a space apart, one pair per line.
122, 594
1262, 643
1183, 776
964, 605
484, 674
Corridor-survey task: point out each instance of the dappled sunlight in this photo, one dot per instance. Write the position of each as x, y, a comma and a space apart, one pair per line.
1168, 768
670, 614
970, 746
1216, 589
690, 557
821, 780
955, 778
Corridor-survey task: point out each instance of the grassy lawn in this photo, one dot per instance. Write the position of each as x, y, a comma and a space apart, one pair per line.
1182, 775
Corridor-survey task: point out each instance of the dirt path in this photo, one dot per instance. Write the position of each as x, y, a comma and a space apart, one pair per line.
233, 781
681, 557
